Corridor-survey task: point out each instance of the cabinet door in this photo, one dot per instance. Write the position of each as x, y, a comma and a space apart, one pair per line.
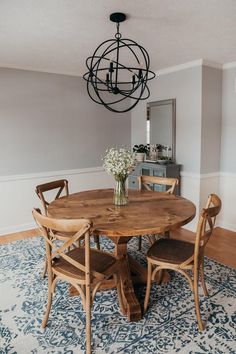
159, 173
145, 172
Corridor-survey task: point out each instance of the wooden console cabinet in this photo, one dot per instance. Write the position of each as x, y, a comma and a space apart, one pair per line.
155, 169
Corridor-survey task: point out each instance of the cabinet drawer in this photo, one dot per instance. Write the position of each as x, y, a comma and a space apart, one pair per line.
133, 182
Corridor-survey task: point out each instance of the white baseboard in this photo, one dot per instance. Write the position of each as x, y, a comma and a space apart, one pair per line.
230, 227
17, 228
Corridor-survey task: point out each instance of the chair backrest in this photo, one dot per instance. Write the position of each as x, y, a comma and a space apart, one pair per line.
82, 231
60, 185
148, 183
206, 225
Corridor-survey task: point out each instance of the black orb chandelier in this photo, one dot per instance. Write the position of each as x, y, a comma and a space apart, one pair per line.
118, 72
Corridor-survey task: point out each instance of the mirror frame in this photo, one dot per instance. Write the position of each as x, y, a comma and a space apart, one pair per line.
171, 101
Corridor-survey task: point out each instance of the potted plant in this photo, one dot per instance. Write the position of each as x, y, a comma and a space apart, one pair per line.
140, 151
164, 160
160, 149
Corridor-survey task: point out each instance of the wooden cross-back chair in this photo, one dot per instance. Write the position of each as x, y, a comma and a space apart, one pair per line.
182, 256
61, 188
149, 183
83, 267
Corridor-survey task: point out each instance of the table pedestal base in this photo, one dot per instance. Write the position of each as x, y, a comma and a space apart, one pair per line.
129, 305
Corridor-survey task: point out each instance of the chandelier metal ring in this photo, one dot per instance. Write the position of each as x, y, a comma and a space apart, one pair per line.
118, 72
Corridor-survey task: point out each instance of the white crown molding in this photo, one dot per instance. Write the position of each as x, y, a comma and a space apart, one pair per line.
229, 65
164, 71
190, 64
212, 64
172, 69
39, 70
47, 174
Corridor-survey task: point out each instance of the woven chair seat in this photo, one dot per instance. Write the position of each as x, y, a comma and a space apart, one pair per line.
171, 251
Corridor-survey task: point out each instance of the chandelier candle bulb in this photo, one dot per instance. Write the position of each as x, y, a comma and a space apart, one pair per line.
111, 67
133, 79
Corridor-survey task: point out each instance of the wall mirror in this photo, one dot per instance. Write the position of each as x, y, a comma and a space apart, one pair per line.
161, 124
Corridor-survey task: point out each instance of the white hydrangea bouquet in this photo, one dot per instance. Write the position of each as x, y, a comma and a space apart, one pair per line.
119, 163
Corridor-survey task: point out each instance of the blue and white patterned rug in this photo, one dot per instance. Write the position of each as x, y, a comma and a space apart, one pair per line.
169, 326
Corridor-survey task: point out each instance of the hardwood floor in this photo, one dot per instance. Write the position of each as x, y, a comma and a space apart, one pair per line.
19, 236
221, 247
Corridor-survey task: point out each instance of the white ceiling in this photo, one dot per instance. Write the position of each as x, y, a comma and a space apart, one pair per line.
58, 35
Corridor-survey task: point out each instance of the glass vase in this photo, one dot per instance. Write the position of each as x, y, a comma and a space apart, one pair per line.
120, 192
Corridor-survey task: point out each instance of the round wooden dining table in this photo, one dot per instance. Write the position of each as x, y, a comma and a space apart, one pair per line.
147, 212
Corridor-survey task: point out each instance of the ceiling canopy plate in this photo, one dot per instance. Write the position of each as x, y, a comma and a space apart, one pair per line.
117, 17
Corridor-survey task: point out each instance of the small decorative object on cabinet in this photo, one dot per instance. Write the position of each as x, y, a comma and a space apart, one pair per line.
154, 169
153, 153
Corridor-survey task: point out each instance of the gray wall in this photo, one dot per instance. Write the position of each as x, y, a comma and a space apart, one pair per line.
211, 119
48, 123
228, 138
186, 87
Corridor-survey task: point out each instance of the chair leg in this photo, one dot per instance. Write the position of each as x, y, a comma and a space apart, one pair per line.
148, 289
139, 243
45, 268
203, 279
153, 238
196, 300
96, 240
167, 234
49, 304
160, 276
88, 320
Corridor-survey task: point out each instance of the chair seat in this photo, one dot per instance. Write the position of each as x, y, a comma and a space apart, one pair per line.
171, 251
99, 260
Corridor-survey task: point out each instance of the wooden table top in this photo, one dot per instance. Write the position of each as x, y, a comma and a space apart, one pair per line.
146, 213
